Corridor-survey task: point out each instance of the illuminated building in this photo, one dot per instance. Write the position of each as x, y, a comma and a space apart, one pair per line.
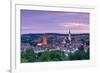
43, 41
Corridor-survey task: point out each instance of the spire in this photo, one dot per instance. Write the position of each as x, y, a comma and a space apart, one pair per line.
69, 36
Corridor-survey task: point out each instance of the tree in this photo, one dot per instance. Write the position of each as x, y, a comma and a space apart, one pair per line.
28, 56
53, 56
79, 55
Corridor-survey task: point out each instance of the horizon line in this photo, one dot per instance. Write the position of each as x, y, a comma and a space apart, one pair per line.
55, 33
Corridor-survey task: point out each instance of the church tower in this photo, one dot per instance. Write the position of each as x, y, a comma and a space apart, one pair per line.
67, 39
69, 36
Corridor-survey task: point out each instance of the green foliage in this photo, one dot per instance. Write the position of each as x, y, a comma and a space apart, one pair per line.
57, 55
28, 56
52, 56
44, 56
24, 60
79, 55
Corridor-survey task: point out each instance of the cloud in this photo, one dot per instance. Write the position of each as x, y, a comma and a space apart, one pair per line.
75, 27
73, 24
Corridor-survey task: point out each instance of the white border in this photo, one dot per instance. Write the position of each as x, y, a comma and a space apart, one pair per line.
17, 66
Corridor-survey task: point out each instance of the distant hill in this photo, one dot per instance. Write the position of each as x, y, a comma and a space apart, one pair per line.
57, 34
37, 36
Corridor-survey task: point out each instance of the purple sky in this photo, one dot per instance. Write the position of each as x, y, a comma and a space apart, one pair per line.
35, 21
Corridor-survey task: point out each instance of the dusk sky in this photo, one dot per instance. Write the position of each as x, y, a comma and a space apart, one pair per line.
35, 21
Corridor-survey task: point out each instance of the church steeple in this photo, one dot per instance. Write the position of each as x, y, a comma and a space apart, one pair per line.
69, 36
67, 39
